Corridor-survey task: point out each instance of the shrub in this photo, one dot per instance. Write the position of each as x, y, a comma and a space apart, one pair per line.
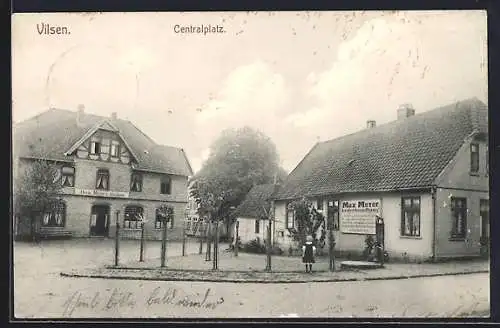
368, 252
254, 246
276, 250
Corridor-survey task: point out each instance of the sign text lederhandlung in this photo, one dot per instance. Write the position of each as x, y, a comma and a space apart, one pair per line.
358, 216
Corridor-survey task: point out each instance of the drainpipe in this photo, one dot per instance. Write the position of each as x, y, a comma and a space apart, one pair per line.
434, 252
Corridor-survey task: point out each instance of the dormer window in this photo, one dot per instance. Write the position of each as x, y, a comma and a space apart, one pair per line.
95, 147
115, 148
474, 158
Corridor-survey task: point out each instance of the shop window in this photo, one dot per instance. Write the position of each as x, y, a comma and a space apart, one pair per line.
136, 182
133, 217
410, 216
257, 226
115, 148
165, 185
56, 216
458, 217
102, 181
290, 217
164, 215
474, 158
68, 176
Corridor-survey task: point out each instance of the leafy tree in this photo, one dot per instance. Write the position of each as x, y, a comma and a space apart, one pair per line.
239, 159
36, 191
308, 221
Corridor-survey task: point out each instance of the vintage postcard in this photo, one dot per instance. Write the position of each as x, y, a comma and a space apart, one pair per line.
250, 165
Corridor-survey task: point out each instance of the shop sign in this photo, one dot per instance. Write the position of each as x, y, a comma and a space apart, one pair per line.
101, 193
358, 216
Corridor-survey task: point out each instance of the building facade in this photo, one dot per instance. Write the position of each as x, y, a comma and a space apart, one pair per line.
110, 172
426, 175
252, 215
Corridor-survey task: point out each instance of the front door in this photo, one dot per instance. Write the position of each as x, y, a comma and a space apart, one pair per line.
99, 220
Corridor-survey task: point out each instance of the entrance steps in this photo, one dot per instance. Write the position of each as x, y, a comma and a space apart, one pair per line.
357, 265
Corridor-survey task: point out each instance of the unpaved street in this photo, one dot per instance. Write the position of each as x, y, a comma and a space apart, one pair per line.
39, 291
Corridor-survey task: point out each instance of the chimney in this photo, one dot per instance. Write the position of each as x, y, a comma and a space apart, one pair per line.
80, 113
371, 124
113, 115
405, 110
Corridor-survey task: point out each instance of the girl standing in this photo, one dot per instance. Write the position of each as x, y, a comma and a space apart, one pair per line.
308, 252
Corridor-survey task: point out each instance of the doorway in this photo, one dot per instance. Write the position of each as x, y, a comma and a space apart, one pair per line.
484, 212
99, 220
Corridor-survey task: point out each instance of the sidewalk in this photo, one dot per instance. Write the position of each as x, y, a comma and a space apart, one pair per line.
250, 268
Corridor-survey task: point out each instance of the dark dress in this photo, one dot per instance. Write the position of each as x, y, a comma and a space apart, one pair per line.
308, 256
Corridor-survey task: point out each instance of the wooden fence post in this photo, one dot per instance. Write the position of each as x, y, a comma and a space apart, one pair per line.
141, 255
164, 244
117, 239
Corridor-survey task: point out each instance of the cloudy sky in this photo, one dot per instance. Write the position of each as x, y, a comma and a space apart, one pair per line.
299, 77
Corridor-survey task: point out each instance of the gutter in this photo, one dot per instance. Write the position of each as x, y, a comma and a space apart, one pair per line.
434, 248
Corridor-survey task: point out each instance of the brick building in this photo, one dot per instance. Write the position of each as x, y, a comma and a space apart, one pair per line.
107, 166
425, 174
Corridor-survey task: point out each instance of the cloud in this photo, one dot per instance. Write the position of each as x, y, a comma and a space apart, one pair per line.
393, 59
248, 92
251, 95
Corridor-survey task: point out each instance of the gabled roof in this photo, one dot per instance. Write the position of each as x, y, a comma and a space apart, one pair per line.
256, 203
404, 154
54, 132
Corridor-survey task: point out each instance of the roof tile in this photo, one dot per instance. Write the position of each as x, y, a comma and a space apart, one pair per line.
53, 132
407, 153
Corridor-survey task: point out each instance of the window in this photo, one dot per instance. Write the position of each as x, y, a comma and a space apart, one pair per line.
333, 214
136, 182
319, 206
95, 147
484, 213
290, 217
105, 146
487, 162
133, 217
257, 226
68, 176
459, 217
165, 185
55, 216
102, 181
164, 215
474, 158
115, 148
410, 216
